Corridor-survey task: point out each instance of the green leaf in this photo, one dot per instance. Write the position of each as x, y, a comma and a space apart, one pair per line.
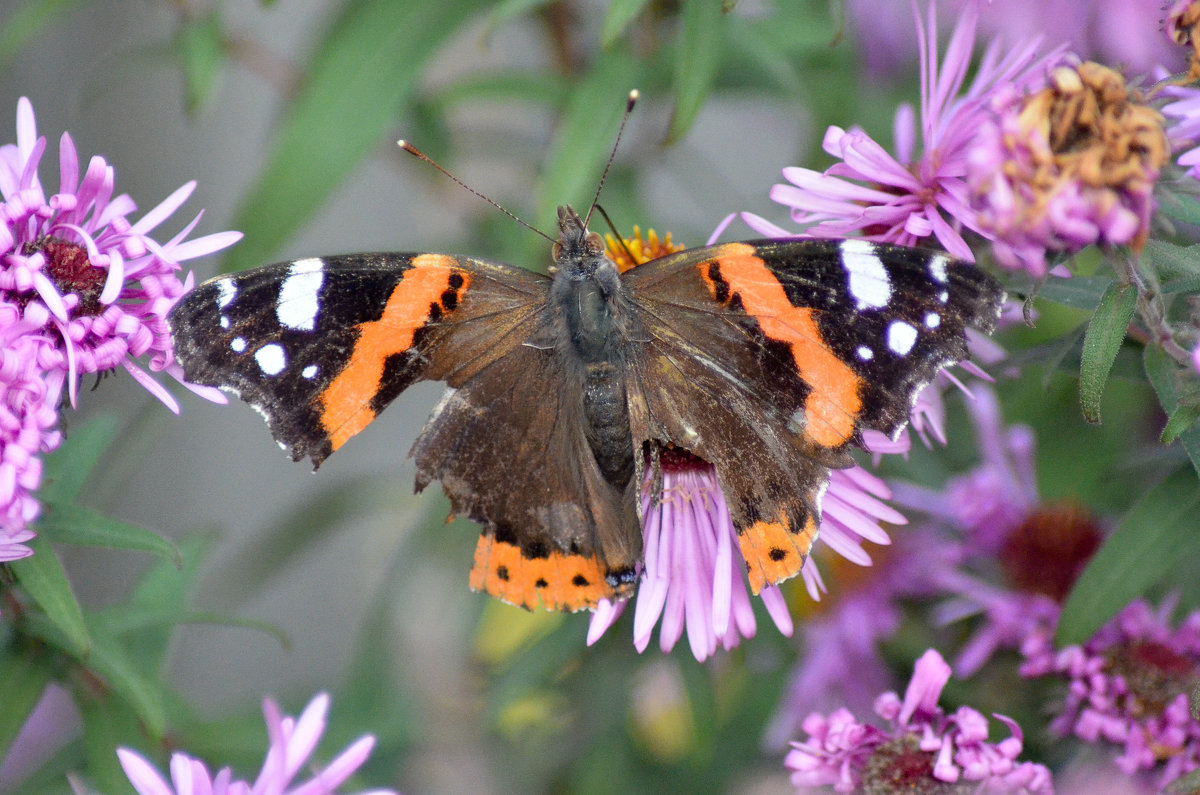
1161, 527
66, 470
585, 133
24, 674
620, 14
1103, 339
1163, 373
1182, 420
107, 726
697, 55
1180, 207
126, 677
75, 524
1078, 292
43, 578
1178, 267
200, 46
29, 20
360, 78
507, 10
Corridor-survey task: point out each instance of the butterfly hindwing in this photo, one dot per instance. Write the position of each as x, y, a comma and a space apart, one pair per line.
319, 346
509, 448
769, 359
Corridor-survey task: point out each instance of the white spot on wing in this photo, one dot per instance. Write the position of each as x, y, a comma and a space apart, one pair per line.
933, 320
224, 321
868, 278
300, 293
238, 344
865, 353
310, 371
901, 337
226, 290
943, 296
271, 358
937, 267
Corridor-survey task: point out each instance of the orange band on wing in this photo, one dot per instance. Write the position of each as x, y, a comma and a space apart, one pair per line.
346, 402
774, 552
834, 403
556, 582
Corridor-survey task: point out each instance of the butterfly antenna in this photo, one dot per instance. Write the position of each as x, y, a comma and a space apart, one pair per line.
412, 150
629, 103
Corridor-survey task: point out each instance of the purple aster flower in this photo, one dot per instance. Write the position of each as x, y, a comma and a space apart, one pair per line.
693, 574
840, 662
919, 749
1123, 32
105, 284
1021, 556
292, 741
905, 198
1130, 686
1070, 165
82, 290
1180, 25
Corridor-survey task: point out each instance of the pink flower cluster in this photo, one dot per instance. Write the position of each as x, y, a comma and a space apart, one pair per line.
920, 746
1130, 685
83, 289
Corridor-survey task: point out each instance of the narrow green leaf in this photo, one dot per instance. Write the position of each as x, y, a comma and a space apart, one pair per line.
43, 578
585, 133
67, 469
1183, 419
200, 46
75, 524
506, 10
1162, 527
1163, 373
620, 14
24, 674
165, 590
1180, 207
28, 21
360, 78
697, 55
108, 725
1103, 339
1078, 292
127, 678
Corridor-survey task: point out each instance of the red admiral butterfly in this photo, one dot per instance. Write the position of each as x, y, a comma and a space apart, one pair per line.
766, 358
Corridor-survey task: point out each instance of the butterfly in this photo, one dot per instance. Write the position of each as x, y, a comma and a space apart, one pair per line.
766, 358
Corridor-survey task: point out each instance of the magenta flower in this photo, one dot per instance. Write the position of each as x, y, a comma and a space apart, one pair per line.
919, 749
995, 515
292, 742
840, 662
82, 290
1126, 32
1130, 686
905, 198
694, 576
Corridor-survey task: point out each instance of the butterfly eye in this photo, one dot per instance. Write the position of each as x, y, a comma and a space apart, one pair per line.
594, 243
556, 251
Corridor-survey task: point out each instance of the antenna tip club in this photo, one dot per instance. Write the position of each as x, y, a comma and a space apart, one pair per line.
633, 97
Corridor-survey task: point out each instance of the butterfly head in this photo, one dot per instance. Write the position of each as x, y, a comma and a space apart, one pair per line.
577, 251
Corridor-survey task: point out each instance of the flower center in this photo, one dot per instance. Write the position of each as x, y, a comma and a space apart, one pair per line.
901, 766
632, 251
1099, 133
1154, 673
68, 266
1048, 550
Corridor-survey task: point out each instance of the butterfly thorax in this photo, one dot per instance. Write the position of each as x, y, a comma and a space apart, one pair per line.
594, 319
